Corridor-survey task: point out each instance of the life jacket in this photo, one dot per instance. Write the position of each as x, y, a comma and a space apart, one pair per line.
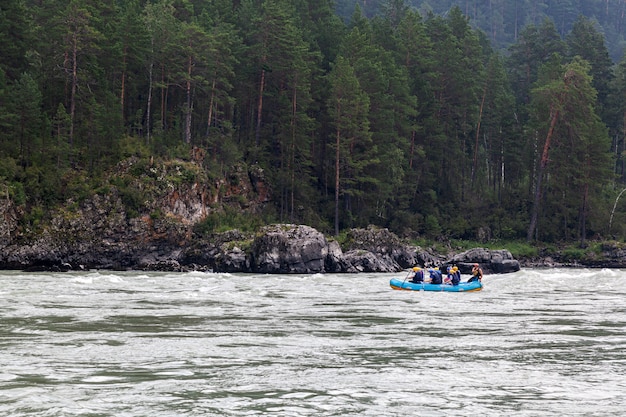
418, 277
436, 277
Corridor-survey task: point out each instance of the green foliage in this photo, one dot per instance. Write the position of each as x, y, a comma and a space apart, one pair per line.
432, 228
133, 146
8, 167
456, 226
521, 249
343, 238
405, 221
437, 245
502, 21
182, 173
228, 219
587, 42
132, 197
578, 146
156, 214
576, 253
571, 254
397, 117
33, 219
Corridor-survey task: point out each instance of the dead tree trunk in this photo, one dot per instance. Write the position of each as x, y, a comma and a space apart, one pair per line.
542, 167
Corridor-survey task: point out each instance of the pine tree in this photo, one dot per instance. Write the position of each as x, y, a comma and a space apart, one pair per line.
535, 46
26, 104
585, 41
81, 42
16, 37
349, 110
457, 93
575, 150
617, 111
196, 43
131, 44
162, 28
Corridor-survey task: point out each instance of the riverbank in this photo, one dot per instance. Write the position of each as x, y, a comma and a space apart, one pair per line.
597, 254
274, 249
99, 233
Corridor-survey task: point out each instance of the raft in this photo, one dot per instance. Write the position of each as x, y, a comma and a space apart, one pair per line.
399, 284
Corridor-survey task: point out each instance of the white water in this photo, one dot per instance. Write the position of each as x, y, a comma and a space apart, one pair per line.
533, 343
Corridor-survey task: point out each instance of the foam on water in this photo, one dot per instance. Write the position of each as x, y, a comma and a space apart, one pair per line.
547, 342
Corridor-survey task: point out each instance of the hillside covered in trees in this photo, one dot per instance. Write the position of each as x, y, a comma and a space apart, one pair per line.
404, 119
502, 21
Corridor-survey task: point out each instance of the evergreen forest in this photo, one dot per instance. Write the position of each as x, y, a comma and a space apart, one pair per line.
503, 20
396, 114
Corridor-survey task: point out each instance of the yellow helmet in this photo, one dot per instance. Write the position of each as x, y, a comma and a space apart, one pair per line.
416, 268
455, 268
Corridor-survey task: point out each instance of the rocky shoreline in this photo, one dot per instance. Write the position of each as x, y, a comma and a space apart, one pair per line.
276, 249
101, 232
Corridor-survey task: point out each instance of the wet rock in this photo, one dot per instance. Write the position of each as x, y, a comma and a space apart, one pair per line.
491, 261
287, 248
357, 260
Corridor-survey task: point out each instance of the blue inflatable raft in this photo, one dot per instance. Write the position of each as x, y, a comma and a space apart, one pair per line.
398, 284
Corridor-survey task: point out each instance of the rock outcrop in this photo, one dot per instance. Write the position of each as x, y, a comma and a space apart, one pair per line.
145, 218
379, 250
286, 248
491, 261
275, 249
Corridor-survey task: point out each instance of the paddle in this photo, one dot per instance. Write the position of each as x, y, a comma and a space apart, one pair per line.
407, 275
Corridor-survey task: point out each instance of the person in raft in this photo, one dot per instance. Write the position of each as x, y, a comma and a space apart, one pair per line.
435, 276
448, 279
477, 273
417, 276
456, 275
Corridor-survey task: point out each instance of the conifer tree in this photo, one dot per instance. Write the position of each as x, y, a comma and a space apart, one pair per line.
162, 27
585, 41
81, 41
130, 41
196, 43
535, 46
16, 37
456, 90
575, 150
349, 110
26, 104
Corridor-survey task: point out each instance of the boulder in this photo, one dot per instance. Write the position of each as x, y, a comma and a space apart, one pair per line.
395, 254
357, 260
382, 243
491, 261
233, 260
222, 252
288, 248
334, 259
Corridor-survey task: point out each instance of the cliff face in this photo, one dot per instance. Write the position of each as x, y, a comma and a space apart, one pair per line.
169, 246
143, 213
146, 221
100, 236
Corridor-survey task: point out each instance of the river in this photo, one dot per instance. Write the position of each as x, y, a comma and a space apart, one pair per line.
540, 342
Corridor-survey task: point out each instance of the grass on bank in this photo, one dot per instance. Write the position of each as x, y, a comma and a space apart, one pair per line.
519, 249
565, 252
